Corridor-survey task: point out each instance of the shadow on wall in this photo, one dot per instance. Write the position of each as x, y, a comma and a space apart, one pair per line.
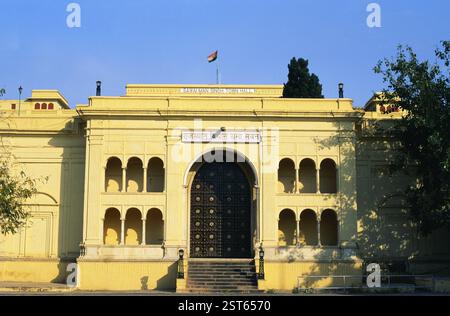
144, 283
169, 281
71, 197
62, 272
385, 233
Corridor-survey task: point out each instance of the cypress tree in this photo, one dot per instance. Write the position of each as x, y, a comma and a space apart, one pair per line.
301, 84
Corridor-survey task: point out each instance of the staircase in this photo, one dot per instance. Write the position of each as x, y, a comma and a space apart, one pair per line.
221, 276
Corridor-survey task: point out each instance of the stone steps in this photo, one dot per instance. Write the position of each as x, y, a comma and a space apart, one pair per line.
224, 278
223, 289
221, 282
223, 271
209, 273
222, 286
224, 267
220, 276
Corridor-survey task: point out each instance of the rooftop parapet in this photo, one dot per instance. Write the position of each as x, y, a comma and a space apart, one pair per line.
378, 104
198, 90
48, 96
39, 100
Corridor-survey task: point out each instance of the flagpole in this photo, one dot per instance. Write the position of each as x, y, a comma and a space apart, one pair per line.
217, 71
214, 57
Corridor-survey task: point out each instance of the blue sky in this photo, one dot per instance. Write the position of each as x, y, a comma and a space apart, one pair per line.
160, 41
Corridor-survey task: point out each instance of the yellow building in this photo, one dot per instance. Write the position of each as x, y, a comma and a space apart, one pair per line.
219, 171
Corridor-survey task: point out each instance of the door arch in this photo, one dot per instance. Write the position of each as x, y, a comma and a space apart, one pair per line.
221, 212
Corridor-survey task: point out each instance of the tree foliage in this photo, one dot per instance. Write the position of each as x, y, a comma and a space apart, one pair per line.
301, 84
2, 92
422, 89
14, 191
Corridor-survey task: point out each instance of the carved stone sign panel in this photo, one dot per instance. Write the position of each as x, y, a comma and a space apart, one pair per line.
221, 137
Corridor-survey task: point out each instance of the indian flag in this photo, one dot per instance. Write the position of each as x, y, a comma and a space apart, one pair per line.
213, 56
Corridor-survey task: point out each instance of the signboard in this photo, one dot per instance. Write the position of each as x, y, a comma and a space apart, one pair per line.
218, 90
221, 137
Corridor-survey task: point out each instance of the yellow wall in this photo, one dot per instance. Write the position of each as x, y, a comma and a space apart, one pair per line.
285, 275
121, 276
49, 146
33, 270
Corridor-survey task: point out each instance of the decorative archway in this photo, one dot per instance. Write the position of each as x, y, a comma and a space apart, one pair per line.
222, 208
286, 176
287, 228
111, 227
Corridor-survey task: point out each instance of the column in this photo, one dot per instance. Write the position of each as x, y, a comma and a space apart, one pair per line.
122, 231
318, 181
144, 179
178, 214
278, 236
338, 180
102, 231
347, 209
143, 231
338, 232
298, 232
297, 189
124, 179
93, 189
318, 231
258, 217
104, 180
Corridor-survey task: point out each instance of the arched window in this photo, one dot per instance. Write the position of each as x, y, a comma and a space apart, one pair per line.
133, 227
286, 176
154, 227
308, 228
155, 176
307, 176
111, 227
329, 228
328, 182
134, 175
287, 227
113, 175
44, 106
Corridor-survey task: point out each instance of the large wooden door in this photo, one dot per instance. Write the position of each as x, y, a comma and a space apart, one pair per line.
220, 225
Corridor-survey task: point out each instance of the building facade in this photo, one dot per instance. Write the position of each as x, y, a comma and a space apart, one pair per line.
217, 171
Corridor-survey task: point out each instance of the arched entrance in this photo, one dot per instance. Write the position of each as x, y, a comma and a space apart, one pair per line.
221, 212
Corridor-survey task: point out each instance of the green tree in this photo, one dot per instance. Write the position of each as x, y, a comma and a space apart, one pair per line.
2, 92
301, 84
422, 89
14, 191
